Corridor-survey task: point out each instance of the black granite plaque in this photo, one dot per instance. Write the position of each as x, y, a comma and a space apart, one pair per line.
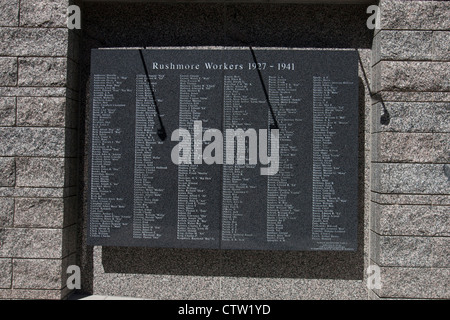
166, 169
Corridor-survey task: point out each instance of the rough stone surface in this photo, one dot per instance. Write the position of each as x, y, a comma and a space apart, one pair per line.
9, 13
409, 251
42, 71
441, 144
6, 212
419, 283
419, 220
415, 15
7, 111
44, 13
37, 274
8, 71
40, 172
22, 141
413, 76
41, 111
7, 172
34, 92
33, 41
36, 192
5, 273
410, 178
403, 147
441, 45
403, 45
21, 294
39, 213
31, 243
411, 117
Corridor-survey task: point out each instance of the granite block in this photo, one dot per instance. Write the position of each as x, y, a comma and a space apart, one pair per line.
418, 15
6, 212
411, 117
418, 220
7, 111
34, 213
33, 41
9, 13
22, 141
410, 251
7, 172
41, 111
37, 274
410, 178
403, 147
44, 13
40, 172
31, 243
418, 283
441, 45
42, 72
404, 45
413, 76
5, 273
8, 71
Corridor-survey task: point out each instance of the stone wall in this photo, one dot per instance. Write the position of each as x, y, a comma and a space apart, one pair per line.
410, 221
38, 148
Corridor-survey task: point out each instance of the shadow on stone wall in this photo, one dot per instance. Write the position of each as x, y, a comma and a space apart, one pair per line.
282, 25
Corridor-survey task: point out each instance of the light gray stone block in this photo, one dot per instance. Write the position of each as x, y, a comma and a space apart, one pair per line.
22, 141
442, 116
403, 147
411, 117
7, 111
42, 72
7, 172
404, 45
5, 273
33, 41
37, 274
416, 15
33, 213
31, 243
33, 92
9, 13
418, 283
8, 71
21, 294
44, 13
41, 111
410, 251
40, 172
441, 144
413, 76
6, 212
441, 45
410, 220
410, 178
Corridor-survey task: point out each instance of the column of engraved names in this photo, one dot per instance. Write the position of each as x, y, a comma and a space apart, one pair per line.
324, 198
146, 222
236, 185
106, 153
283, 187
193, 182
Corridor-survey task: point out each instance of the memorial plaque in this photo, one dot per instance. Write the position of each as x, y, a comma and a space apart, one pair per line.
224, 149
